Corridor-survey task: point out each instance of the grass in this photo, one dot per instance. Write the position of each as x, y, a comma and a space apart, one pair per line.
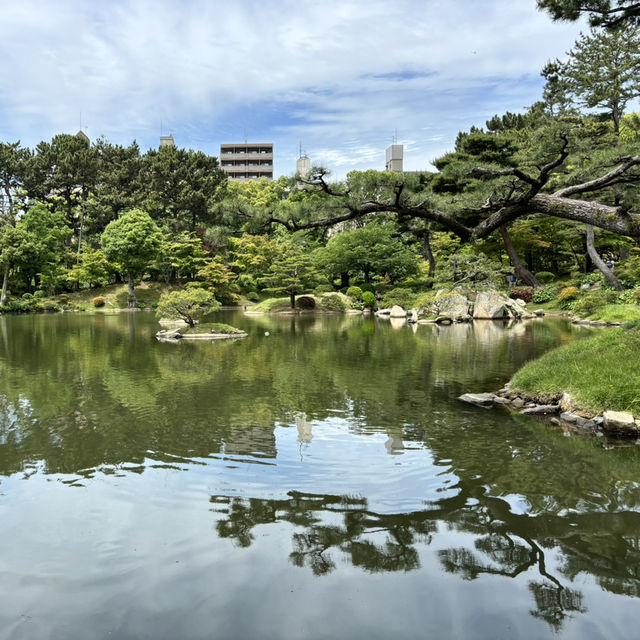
116, 296
617, 313
209, 327
273, 304
600, 372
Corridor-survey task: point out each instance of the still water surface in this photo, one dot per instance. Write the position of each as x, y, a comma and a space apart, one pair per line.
319, 482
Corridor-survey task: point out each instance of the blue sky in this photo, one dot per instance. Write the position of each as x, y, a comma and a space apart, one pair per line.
341, 77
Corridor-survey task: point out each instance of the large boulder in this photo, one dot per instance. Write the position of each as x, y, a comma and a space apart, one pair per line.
490, 305
398, 312
452, 304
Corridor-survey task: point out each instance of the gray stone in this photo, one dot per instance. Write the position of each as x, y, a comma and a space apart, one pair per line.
398, 312
501, 400
481, 399
539, 312
541, 410
413, 316
567, 416
585, 424
489, 305
444, 320
453, 305
620, 422
518, 403
383, 312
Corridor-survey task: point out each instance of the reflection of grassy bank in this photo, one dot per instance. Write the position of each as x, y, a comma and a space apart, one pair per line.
600, 372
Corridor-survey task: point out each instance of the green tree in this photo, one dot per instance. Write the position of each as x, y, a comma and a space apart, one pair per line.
91, 269
607, 13
219, 280
132, 242
182, 186
13, 160
369, 251
17, 248
189, 305
251, 257
181, 256
292, 272
602, 71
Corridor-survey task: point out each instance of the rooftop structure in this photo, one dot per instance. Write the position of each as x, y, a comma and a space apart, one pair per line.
167, 141
303, 166
394, 158
247, 161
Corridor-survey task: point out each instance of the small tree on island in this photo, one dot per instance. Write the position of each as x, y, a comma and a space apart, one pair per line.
132, 242
188, 305
292, 273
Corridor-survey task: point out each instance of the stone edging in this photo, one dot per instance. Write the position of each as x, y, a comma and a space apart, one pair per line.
561, 412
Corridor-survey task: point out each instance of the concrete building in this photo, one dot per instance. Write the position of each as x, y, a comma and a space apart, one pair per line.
303, 166
167, 141
248, 161
394, 158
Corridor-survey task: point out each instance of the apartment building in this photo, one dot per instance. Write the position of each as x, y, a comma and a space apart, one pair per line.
247, 161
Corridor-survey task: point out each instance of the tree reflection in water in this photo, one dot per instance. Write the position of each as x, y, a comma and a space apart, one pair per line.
328, 528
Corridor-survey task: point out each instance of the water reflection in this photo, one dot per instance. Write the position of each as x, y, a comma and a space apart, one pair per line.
341, 435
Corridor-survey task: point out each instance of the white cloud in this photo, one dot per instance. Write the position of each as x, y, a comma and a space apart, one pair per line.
340, 75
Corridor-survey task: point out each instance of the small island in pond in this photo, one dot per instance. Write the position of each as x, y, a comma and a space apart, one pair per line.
206, 331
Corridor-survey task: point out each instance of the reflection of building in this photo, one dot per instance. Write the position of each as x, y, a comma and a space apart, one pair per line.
251, 440
305, 428
394, 158
248, 161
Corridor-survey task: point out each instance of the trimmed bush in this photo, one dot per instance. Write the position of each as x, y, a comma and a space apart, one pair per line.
305, 302
98, 301
545, 276
323, 288
522, 293
401, 297
355, 293
252, 296
332, 302
546, 294
368, 299
568, 294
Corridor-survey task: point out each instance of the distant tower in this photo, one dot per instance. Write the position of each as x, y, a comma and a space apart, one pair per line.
394, 158
83, 136
167, 141
303, 164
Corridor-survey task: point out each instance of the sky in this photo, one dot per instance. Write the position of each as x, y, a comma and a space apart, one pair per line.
343, 79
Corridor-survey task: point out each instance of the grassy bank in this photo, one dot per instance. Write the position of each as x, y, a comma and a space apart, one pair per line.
600, 372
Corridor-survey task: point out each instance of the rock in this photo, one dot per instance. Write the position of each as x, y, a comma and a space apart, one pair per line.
518, 403
585, 425
169, 334
398, 312
413, 316
480, 399
541, 410
566, 402
489, 305
567, 416
539, 312
452, 304
520, 302
620, 422
383, 312
514, 308
444, 320
501, 400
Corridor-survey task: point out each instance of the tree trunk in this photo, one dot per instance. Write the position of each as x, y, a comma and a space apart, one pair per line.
5, 283
428, 253
133, 302
344, 280
599, 262
292, 300
523, 273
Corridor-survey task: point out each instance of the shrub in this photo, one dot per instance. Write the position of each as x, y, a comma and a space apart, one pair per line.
522, 293
546, 294
368, 299
568, 294
368, 287
636, 295
355, 293
63, 298
333, 302
592, 301
27, 297
323, 288
98, 301
305, 302
39, 294
545, 276
399, 296
252, 296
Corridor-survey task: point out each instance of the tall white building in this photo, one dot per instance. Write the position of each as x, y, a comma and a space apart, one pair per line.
394, 158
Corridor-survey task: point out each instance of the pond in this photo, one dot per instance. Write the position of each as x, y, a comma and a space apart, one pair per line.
318, 479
